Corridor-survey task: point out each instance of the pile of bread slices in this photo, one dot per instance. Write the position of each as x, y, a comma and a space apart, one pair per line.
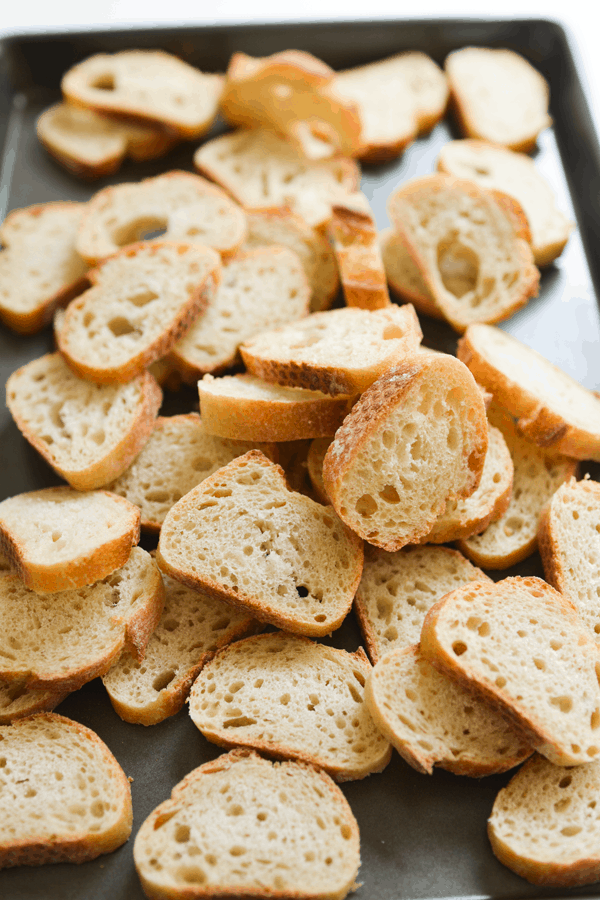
325, 474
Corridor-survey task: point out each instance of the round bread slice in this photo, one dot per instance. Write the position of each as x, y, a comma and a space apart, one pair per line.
416, 439
291, 698
404, 276
275, 815
70, 799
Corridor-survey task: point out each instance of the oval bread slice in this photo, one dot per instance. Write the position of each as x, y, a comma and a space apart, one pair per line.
404, 276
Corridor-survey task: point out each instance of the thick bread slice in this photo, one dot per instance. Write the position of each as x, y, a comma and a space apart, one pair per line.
260, 289
179, 454
497, 168
398, 98
260, 169
416, 439
553, 410
520, 645
243, 536
192, 626
498, 96
89, 433
18, 701
183, 206
142, 301
471, 246
59, 539
314, 461
39, 267
275, 815
341, 351
404, 276
147, 86
397, 590
290, 697
544, 825
254, 410
433, 721
70, 800
58, 642
356, 245
279, 225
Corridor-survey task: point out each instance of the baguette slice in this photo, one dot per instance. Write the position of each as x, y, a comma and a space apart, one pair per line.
341, 351
70, 799
520, 645
299, 700
433, 721
179, 205
397, 590
59, 539
498, 96
148, 86
536, 818
356, 244
39, 268
277, 822
255, 410
89, 433
404, 276
553, 410
17, 701
416, 439
314, 462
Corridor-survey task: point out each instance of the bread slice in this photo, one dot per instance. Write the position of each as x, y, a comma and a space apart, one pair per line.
148, 86
259, 289
552, 409
291, 698
404, 276
356, 245
17, 701
433, 721
39, 268
471, 246
275, 815
498, 96
397, 590
416, 439
497, 168
59, 539
180, 453
244, 537
544, 824
341, 351
260, 169
314, 461
293, 459
70, 799
255, 410
179, 206
280, 226
89, 433
398, 98
521, 645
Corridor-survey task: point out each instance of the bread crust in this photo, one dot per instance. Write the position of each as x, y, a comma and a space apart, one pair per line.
359, 258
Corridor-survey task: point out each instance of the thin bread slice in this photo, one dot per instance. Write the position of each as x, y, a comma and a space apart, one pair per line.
59, 539
259, 289
471, 246
433, 721
179, 206
340, 351
498, 96
397, 590
497, 168
314, 462
254, 410
416, 439
259, 169
552, 409
58, 642
356, 245
244, 537
89, 433
148, 86
404, 276
39, 267
70, 800
272, 814
302, 700
17, 701
544, 825
520, 645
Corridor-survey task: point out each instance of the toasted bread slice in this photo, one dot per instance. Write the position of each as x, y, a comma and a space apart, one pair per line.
283, 708
404, 276
17, 701
356, 244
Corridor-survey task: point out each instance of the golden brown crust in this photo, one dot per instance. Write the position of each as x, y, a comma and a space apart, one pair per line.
549, 541
357, 251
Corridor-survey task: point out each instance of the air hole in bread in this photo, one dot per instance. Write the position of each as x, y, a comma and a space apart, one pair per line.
191, 874
143, 298
458, 265
570, 830
366, 506
140, 229
389, 494
163, 680
104, 82
392, 332
564, 703
239, 722
458, 648
120, 326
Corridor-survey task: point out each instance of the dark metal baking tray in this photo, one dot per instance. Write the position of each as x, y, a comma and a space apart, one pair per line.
422, 837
